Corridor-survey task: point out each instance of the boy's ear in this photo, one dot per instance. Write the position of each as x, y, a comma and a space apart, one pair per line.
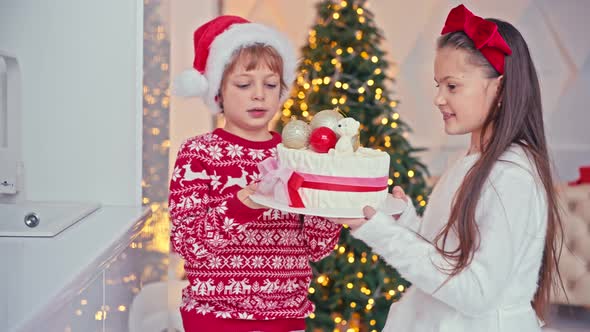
219, 101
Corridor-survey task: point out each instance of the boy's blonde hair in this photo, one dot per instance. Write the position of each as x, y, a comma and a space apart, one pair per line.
252, 57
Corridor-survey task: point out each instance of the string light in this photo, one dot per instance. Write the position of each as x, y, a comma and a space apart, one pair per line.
156, 102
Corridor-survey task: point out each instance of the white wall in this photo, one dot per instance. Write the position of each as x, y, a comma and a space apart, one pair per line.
188, 116
554, 30
81, 64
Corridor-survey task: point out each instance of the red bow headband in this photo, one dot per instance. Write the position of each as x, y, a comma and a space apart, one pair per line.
482, 32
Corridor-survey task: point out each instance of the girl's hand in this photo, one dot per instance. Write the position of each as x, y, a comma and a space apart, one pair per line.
244, 197
369, 212
398, 192
354, 223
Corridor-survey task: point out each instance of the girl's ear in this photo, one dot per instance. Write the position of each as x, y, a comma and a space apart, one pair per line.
499, 87
500, 82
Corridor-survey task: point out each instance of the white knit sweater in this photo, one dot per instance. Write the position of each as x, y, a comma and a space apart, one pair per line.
493, 294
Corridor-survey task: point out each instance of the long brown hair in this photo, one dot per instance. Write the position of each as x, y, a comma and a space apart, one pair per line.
515, 117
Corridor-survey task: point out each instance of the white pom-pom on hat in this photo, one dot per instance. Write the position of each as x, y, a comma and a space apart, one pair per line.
190, 83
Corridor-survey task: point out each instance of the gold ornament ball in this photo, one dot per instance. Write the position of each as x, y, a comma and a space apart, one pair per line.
296, 134
326, 118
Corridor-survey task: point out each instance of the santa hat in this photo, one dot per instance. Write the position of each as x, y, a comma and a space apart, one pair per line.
215, 43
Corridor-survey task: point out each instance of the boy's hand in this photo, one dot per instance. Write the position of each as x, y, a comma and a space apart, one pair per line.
244, 197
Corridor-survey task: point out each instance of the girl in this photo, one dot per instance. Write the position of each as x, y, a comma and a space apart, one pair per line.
483, 257
248, 267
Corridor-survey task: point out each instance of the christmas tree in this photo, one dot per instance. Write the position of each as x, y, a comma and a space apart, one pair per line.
344, 67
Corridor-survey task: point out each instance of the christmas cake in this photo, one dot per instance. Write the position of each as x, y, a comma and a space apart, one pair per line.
321, 165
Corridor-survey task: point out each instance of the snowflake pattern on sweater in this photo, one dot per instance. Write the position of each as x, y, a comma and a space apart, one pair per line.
241, 263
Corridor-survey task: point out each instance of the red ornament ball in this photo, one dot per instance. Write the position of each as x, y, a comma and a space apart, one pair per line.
322, 139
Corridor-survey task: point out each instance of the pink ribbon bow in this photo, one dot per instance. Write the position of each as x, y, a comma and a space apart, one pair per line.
274, 180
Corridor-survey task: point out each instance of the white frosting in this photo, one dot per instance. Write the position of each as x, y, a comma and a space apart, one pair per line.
364, 163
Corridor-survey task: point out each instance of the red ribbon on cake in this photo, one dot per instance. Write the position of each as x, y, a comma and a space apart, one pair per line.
284, 183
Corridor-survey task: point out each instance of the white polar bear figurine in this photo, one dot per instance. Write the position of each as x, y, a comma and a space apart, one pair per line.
347, 128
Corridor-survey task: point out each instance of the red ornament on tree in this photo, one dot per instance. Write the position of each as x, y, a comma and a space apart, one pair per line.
322, 139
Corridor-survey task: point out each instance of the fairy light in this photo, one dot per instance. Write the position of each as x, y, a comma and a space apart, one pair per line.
156, 103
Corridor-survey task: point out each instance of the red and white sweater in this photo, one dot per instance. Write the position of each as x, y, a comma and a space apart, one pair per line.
242, 263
